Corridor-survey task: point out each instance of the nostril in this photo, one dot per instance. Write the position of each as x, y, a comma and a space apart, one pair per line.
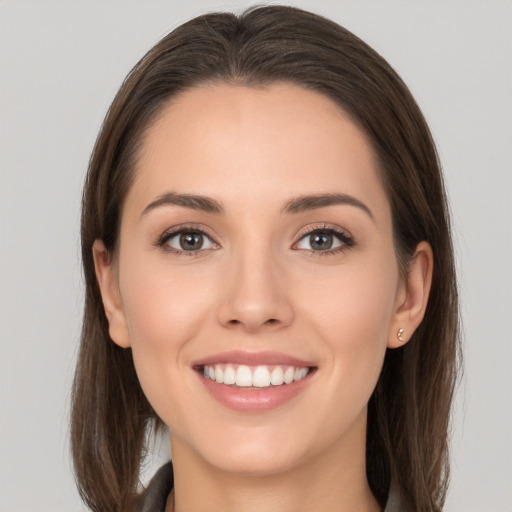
270, 322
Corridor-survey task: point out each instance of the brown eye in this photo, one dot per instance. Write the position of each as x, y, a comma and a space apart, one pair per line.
189, 241
323, 240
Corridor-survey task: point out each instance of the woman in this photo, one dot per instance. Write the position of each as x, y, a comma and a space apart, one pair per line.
269, 272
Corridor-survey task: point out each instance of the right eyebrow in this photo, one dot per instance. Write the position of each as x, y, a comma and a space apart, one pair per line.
194, 202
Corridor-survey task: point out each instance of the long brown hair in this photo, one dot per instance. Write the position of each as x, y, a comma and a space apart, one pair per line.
408, 414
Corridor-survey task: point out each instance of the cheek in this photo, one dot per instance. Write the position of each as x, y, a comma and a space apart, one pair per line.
352, 310
164, 312
355, 302
162, 304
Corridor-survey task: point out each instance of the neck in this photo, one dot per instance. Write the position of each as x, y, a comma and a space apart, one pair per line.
332, 481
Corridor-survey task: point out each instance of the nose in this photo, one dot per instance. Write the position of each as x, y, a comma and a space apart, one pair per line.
256, 295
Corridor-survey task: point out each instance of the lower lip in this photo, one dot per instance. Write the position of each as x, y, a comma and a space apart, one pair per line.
255, 400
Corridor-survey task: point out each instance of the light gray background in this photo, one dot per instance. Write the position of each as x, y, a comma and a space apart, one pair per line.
61, 63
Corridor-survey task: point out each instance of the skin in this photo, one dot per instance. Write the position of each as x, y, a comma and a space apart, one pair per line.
258, 285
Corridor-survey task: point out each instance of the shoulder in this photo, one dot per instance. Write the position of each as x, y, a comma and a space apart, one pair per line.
154, 497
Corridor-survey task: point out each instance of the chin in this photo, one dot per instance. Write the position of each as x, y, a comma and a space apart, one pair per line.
255, 462
250, 452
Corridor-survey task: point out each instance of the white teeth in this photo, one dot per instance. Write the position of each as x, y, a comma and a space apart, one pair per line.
300, 373
277, 376
243, 376
261, 377
288, 375
258, 377
229, 375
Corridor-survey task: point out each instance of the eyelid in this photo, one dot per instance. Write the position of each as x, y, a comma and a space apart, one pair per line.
324, 227
343, 236
162, 240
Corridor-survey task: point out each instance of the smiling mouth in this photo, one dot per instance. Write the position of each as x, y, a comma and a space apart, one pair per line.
254, 377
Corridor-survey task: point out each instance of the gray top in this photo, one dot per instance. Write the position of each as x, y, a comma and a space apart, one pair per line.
155, 496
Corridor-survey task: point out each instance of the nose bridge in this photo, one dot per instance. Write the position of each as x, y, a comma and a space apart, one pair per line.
255, 294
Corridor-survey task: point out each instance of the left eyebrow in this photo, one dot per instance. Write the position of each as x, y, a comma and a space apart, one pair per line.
312, 202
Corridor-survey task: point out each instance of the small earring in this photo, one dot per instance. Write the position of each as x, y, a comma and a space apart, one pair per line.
399, 335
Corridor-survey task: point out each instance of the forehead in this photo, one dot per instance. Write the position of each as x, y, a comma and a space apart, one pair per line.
269, 143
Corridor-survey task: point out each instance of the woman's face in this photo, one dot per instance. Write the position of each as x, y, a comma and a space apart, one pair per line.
257, 237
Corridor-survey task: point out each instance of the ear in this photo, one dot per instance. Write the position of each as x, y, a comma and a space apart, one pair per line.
110, 295
412, 297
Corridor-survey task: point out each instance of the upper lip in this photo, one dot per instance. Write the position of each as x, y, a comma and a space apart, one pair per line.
252, 359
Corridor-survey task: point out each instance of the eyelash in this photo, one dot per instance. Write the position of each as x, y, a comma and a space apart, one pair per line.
167, 235
346, 240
